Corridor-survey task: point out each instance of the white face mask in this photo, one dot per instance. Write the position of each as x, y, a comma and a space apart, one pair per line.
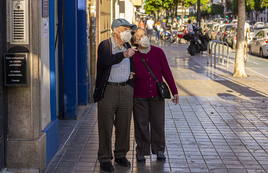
125, 36
145, 42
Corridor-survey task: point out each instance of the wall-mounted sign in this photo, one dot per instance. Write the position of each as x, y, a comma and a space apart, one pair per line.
15, 69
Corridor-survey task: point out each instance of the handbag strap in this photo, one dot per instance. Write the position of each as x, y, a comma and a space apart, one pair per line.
149, 69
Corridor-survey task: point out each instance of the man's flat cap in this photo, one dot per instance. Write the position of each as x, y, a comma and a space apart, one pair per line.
122, 22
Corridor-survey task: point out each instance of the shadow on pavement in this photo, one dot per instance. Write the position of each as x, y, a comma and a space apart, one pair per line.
239, 88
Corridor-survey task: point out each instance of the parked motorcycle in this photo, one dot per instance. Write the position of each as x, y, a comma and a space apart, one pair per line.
198, 42
165, 35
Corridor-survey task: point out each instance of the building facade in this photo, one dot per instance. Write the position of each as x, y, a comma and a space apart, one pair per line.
125, 9
59, 45
259, 16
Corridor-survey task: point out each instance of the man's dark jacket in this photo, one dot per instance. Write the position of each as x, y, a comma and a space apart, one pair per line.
104, 64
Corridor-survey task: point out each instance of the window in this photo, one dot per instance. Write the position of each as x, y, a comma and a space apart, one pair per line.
260, 34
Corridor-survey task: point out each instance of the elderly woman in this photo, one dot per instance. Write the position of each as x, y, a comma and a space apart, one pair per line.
149, 107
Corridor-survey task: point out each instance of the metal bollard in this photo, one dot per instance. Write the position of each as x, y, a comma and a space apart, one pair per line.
215, 54
228, 57
219, 53
222, 54
211, 52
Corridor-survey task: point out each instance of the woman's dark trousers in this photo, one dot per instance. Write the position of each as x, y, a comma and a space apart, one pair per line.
149, 120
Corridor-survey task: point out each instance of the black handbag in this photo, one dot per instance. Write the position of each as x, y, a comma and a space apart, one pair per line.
162, 87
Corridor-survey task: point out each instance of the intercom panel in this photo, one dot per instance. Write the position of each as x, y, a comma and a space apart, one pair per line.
18, 22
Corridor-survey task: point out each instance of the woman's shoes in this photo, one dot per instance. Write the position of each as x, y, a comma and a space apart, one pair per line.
160, 156
123, 162
107, 166
140, 158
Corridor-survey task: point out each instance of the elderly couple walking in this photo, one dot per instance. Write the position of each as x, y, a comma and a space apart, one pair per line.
125, 85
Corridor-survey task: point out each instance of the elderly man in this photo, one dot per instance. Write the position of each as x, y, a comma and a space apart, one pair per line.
114, 94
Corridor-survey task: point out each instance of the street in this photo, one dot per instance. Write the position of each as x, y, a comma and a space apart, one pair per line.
220, 124
256, 64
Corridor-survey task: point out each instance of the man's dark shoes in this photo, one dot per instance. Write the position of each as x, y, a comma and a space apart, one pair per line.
107, 166
160, 156
140, 158
122, 162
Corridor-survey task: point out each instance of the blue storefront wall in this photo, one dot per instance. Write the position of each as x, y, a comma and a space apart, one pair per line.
52, 130
70, 59
72, 66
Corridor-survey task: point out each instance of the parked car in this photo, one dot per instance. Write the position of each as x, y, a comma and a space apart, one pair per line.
259, 43
258, 25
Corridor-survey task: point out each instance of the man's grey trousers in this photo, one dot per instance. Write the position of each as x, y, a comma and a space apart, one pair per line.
115, 109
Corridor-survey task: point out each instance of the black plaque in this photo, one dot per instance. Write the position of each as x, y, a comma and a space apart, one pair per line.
15, 69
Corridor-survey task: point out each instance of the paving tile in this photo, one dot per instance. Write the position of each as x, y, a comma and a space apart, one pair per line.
64, 169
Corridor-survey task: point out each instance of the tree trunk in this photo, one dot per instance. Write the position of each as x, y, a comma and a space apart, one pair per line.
198, 13
239, 67
167, 15
183, 13
176, 8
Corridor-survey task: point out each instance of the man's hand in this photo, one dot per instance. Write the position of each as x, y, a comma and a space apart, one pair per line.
130, 52
175, 99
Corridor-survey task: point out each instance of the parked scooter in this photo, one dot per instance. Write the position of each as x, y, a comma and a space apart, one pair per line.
165, 35
198, 42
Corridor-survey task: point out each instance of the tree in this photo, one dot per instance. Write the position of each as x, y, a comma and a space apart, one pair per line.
153, 6
189, 3
217, 9
250, 5
228, 4
239, 67
234, 7
264, 3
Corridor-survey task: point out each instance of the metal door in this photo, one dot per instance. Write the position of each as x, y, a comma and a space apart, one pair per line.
2, 125
2, 110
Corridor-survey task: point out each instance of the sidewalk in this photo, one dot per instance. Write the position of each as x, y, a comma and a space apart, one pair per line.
220, 125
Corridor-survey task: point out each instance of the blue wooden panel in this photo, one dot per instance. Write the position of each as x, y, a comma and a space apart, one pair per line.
83, 84
52, 136
70, 59
52, 62
52, 140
